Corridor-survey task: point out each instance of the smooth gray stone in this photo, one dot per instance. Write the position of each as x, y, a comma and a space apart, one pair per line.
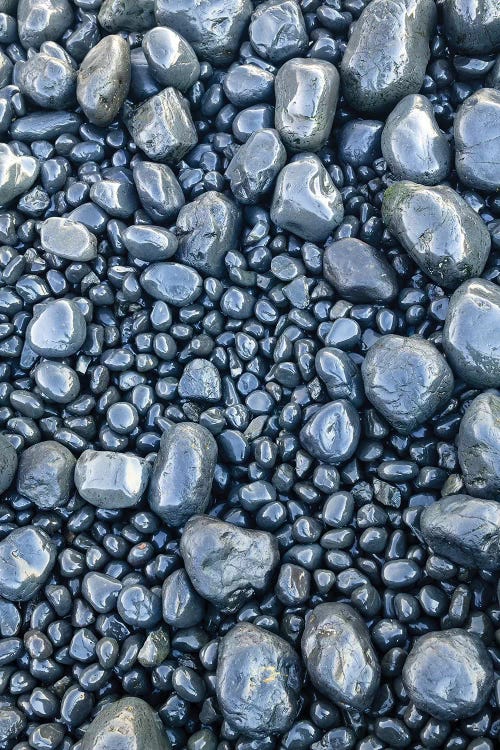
469, 339
111, 480
406, 379
277, 30
358, 142
101, 591
27, 556
341, 376
171, 58
412, 143
48, 77
182, 606
207, 228
251, 120
8, 463
449, 674
478, 446
339, 656
305, 200
57, 382
6, 70
174, 283
159, 191
248, 84
17, 174
58, 330
43, 126
41, 21
149, 243
126, 15
387, 53
130, 724
259, 677
465, 530
162, 126
156, 648
477, 140
117, 197
142, 83
45, 474
226, 564
12, 723
255, 166
307, 91
68, 239
439, 231
472, 26
183, 472
212, 27
332, 434
359, 272
200, 381
104, 79
493, 79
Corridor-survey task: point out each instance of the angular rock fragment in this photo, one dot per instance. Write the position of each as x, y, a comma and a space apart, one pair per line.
17, 174
255, 166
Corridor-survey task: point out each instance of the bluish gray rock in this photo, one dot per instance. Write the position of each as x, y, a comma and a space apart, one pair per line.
174, 283
477, 140
171, 58
478, 446
359, 272
57, 382
8, 464
27, 556
248, 84
111, 480
17, 174
472, 26
115, 196
182, 606
126, 15
48, 77
341, 376
104, 79
158, 190
68, 239
45, 474
6, 70
149, 243
255, 166
277, 30
332, 434
58, 329
129, 722
40, 21
200, 381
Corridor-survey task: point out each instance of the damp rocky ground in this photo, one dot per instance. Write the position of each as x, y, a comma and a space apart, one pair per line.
249, 373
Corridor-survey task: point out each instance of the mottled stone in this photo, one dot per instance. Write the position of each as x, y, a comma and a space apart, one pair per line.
41, 21
17, 174
359, 272
111, 480
126, 15
8, 464
200, 381
27, 556
255, 166
478, 445
45, 474
68, 239
477, 140
158, 190
48, 77
472, 26
332, 434
104, 79
130, 724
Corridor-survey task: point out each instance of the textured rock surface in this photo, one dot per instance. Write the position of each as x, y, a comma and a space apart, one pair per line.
111, 480
104, 79
477, 140
131, 722
359, 272
27, 557
46, 474
478, 445
332, 434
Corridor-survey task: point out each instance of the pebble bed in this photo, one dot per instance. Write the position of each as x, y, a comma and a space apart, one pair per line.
249, 353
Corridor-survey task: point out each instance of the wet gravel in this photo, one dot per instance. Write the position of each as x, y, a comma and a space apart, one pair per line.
249, 374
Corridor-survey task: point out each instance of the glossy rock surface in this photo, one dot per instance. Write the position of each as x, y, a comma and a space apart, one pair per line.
27, 557
131, 722
478, 446
277, 30
359, 272
48, 78
477, 140
17, 174
171, 58
104, 79
332, 434
472, 26
68, 239
58, 330
46, 474
255, 166
111, 480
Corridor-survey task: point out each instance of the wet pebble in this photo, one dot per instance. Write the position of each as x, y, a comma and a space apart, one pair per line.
255, 166
248, 84
139, 606
477, 140
68, 239
57, 330
45, 474
359, 272
149, 243
277, 30
117, 15
57, 382
17, 174
8, 464
472, 26
174, 283
478, 446
104, 79
171, 58
40, 21
111, 480
182, 606
27, 557
129, 721
332, 434
48, 78
158, 190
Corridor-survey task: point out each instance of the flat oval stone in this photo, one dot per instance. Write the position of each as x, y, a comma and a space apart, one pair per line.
68, 239
248, 84
59, 330
149, 243
332, 434
465, 530
104, 79
307, 91
117, 197
172, 60
162, 126
158, 190
305, 200
47, 78
478, 446
412, 143
126, 15
448, 674
255, 166
339, 656
57, 382
359, 272
477, 140
439, 231
41, 21
472, 26
207, 228
129, 723
227, 564
17, 174
200, 381
277, 30
387, 53
406, 379
213, 28
183, 472
27, 557
174, 283
45, 474
46, 126
111, 480
258, 681
473, 315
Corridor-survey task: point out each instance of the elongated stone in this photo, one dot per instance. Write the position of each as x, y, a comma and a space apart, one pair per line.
172, 282
104, 79
255, 166
477, 140
478, 445
158, 190
359, 272
171, 58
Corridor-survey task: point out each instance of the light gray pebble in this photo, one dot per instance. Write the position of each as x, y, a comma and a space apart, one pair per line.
255, 166
472, 26
158, 190
41, 21
45, 474
17, 174
339, 656
277, 30
162, 126
171, 58
57, 382
117, 197
111, 480
413, 145
183, 472
465, 530
68, 239
155, 649
8, 464
307, 91
469, 341
493, 79
57, 330
149, 243
208, 228
6, 70
27, 556
477, 140
213, 28
104, 79
48, 77
359, 272
226, 564
126, 15
200, 381
174, 283
305, 200
130, 723
387, 53
332, 434
12, 723
439, 231
406, 379
448, 674
478, 446
248, 84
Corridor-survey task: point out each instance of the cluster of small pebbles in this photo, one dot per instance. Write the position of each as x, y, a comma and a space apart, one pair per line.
249, 374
